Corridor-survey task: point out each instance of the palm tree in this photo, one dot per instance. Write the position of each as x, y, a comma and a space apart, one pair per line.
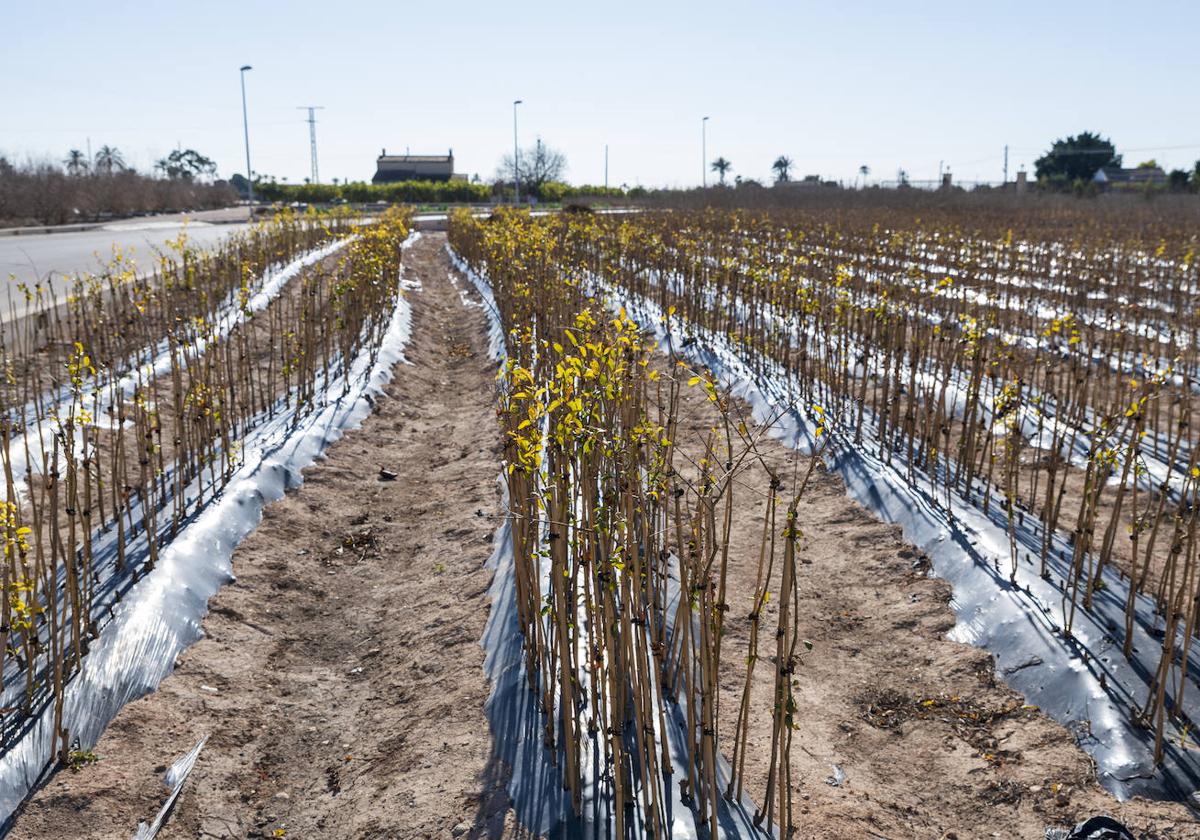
108, 159
76, 162
721, 166
782, 166
864, 171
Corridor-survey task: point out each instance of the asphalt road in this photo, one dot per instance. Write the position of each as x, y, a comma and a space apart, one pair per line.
55, 257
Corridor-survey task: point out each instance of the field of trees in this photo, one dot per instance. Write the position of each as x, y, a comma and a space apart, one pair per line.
83, 189
683, 396
1029, 390
148, 399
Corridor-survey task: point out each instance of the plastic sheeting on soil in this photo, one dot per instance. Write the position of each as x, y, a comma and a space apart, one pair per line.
1084, 682
160, 613
495, 328
514, 712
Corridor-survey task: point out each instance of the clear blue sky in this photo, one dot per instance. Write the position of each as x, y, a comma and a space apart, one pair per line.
831, 84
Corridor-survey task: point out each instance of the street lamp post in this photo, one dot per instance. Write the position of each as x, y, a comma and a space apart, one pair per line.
246, 131
704, 153
516, 154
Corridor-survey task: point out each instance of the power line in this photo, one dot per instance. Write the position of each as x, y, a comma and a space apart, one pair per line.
312, 136
1072, 150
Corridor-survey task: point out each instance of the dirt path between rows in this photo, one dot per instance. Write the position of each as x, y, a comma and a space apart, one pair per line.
340, 679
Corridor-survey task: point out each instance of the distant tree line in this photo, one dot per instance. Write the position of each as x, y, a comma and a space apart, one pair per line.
1071, 164
541, 169
360, 192
84, 189
781, 170
425, 192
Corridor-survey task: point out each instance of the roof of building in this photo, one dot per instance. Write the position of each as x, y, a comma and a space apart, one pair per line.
415, 158
1141, 175
390, 168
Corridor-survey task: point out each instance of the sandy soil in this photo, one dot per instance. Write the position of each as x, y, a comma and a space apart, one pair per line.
340, 680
